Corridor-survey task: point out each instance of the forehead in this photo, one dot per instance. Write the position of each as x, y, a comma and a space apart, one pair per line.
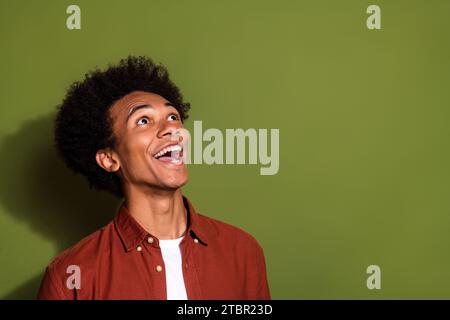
121, 107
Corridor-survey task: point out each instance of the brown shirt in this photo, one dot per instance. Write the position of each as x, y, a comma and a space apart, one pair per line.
123, 261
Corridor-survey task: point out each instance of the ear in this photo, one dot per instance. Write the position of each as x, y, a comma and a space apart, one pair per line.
107, 159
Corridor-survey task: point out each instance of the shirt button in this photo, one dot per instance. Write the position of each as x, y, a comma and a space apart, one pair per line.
158, 268
196, 240
139, 248
150, 240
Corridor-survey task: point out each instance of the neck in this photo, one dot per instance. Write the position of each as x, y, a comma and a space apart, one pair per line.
160, 213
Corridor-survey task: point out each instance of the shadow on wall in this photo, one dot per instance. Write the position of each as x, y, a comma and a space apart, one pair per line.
37, 188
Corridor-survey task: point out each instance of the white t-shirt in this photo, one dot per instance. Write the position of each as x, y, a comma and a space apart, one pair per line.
171, 254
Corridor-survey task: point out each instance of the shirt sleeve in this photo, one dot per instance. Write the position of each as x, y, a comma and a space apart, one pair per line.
257, 285
263, 286
49, 289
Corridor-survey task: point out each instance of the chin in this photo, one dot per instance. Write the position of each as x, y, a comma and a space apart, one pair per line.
174, 183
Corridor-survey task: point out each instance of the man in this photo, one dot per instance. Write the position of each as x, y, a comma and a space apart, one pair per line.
116, 127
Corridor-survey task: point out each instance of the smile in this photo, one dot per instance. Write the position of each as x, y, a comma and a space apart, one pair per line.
171, 154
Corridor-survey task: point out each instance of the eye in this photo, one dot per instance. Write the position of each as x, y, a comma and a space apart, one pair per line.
142, 121
173, 117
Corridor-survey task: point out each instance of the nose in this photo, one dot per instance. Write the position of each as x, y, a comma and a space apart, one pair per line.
167, 129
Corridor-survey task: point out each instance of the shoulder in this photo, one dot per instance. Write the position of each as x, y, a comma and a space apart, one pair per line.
82, 257
83, 253
216, 229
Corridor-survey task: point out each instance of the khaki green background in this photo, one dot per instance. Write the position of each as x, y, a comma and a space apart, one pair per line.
363, 118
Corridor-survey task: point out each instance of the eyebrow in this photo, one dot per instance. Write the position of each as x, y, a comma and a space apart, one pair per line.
142, 106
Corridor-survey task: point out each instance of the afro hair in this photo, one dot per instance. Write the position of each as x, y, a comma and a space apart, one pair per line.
83, 125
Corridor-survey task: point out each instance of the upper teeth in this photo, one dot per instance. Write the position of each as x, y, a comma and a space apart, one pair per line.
168, 149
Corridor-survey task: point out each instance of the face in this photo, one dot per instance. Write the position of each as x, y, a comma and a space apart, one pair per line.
147, 154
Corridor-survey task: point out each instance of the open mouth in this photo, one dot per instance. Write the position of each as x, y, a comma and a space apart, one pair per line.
170, 154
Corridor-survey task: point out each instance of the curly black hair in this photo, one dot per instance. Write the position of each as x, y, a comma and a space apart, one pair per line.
83, 124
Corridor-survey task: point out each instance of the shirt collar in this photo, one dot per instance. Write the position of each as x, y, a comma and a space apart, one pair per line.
132, 233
